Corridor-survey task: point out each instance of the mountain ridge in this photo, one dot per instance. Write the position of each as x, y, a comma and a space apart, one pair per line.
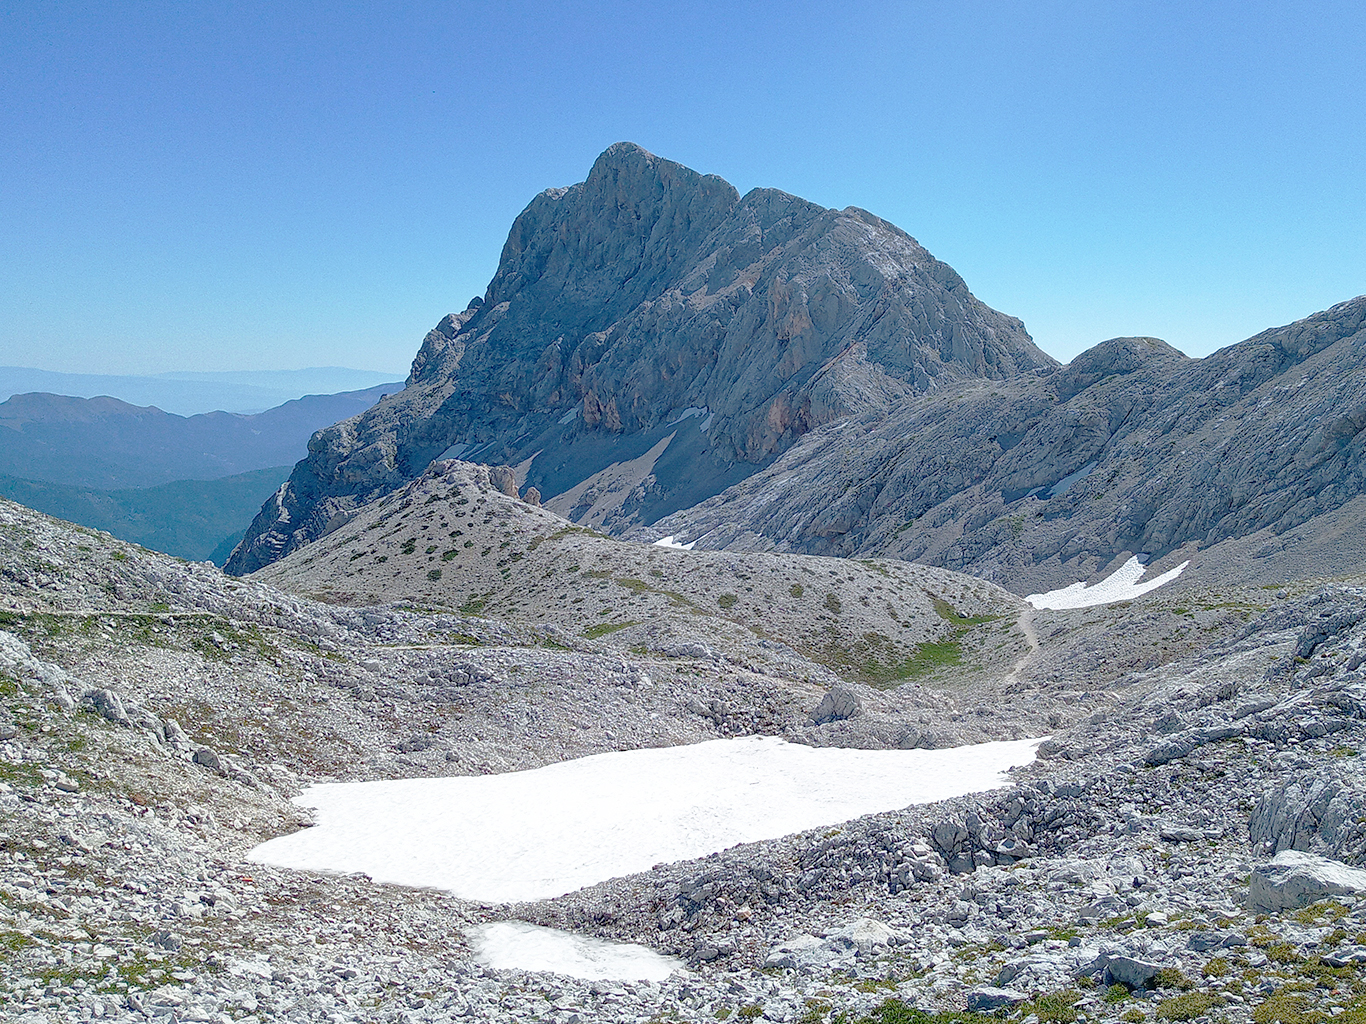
190, 392
1130, 448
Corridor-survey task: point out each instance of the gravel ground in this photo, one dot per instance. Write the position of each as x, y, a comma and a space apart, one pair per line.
157, 717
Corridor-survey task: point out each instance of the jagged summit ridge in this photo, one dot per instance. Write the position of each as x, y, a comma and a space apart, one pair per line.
645, 292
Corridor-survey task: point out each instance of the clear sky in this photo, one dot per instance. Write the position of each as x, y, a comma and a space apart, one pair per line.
234, 185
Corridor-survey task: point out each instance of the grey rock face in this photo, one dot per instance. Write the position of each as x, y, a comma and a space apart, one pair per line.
653, 302
986, 999
1322, 814
1293, 880
839, 704
1131, 448
1127, 971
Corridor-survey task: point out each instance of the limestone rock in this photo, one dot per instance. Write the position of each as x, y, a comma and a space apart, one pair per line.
1293, 879
988, 998
838, 704
865, 934
1044, 479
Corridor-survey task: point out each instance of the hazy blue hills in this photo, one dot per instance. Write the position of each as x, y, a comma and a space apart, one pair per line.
108, 444
195, 519
189, 392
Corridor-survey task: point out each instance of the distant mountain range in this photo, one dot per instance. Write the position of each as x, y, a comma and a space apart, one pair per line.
107, 444
201, 520
185, 485
189, 392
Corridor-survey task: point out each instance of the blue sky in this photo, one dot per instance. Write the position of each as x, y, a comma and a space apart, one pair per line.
233, 185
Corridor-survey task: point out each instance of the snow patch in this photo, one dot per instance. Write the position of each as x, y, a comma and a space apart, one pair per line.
688, 413
536, 834
669, 542
1120, 585
454, 451
517, 946
568, 417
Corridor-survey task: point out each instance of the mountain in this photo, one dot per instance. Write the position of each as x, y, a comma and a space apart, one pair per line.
188, 392
650, 337
1045, 479
193, 519
106, 444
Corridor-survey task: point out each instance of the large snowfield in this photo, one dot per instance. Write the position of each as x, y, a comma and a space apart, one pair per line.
1120, 585
541, 833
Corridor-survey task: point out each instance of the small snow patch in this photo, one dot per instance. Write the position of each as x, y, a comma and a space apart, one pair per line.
669, 542
517, 946
1120, 585
687, 414
453, 452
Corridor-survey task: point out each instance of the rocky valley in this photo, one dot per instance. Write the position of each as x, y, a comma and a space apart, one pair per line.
711, 472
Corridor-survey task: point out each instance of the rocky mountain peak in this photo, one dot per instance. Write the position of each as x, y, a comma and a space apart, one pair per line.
650, 324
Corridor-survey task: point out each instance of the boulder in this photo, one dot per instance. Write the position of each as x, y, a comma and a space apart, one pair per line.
1293, 879
795, 952
864, 935
1182, 743
838, 705
109, 705
987, 998
1114, 968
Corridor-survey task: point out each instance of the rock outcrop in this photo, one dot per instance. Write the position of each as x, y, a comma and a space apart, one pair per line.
652, 325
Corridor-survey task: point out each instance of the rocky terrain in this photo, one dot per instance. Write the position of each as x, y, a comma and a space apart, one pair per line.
649, 337
1044, 479
822, 427
158, 716
453, 540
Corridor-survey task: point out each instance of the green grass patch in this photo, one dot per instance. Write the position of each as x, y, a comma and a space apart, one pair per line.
950, 615
557, 535
895, 1011
603, 628
1187, 1006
